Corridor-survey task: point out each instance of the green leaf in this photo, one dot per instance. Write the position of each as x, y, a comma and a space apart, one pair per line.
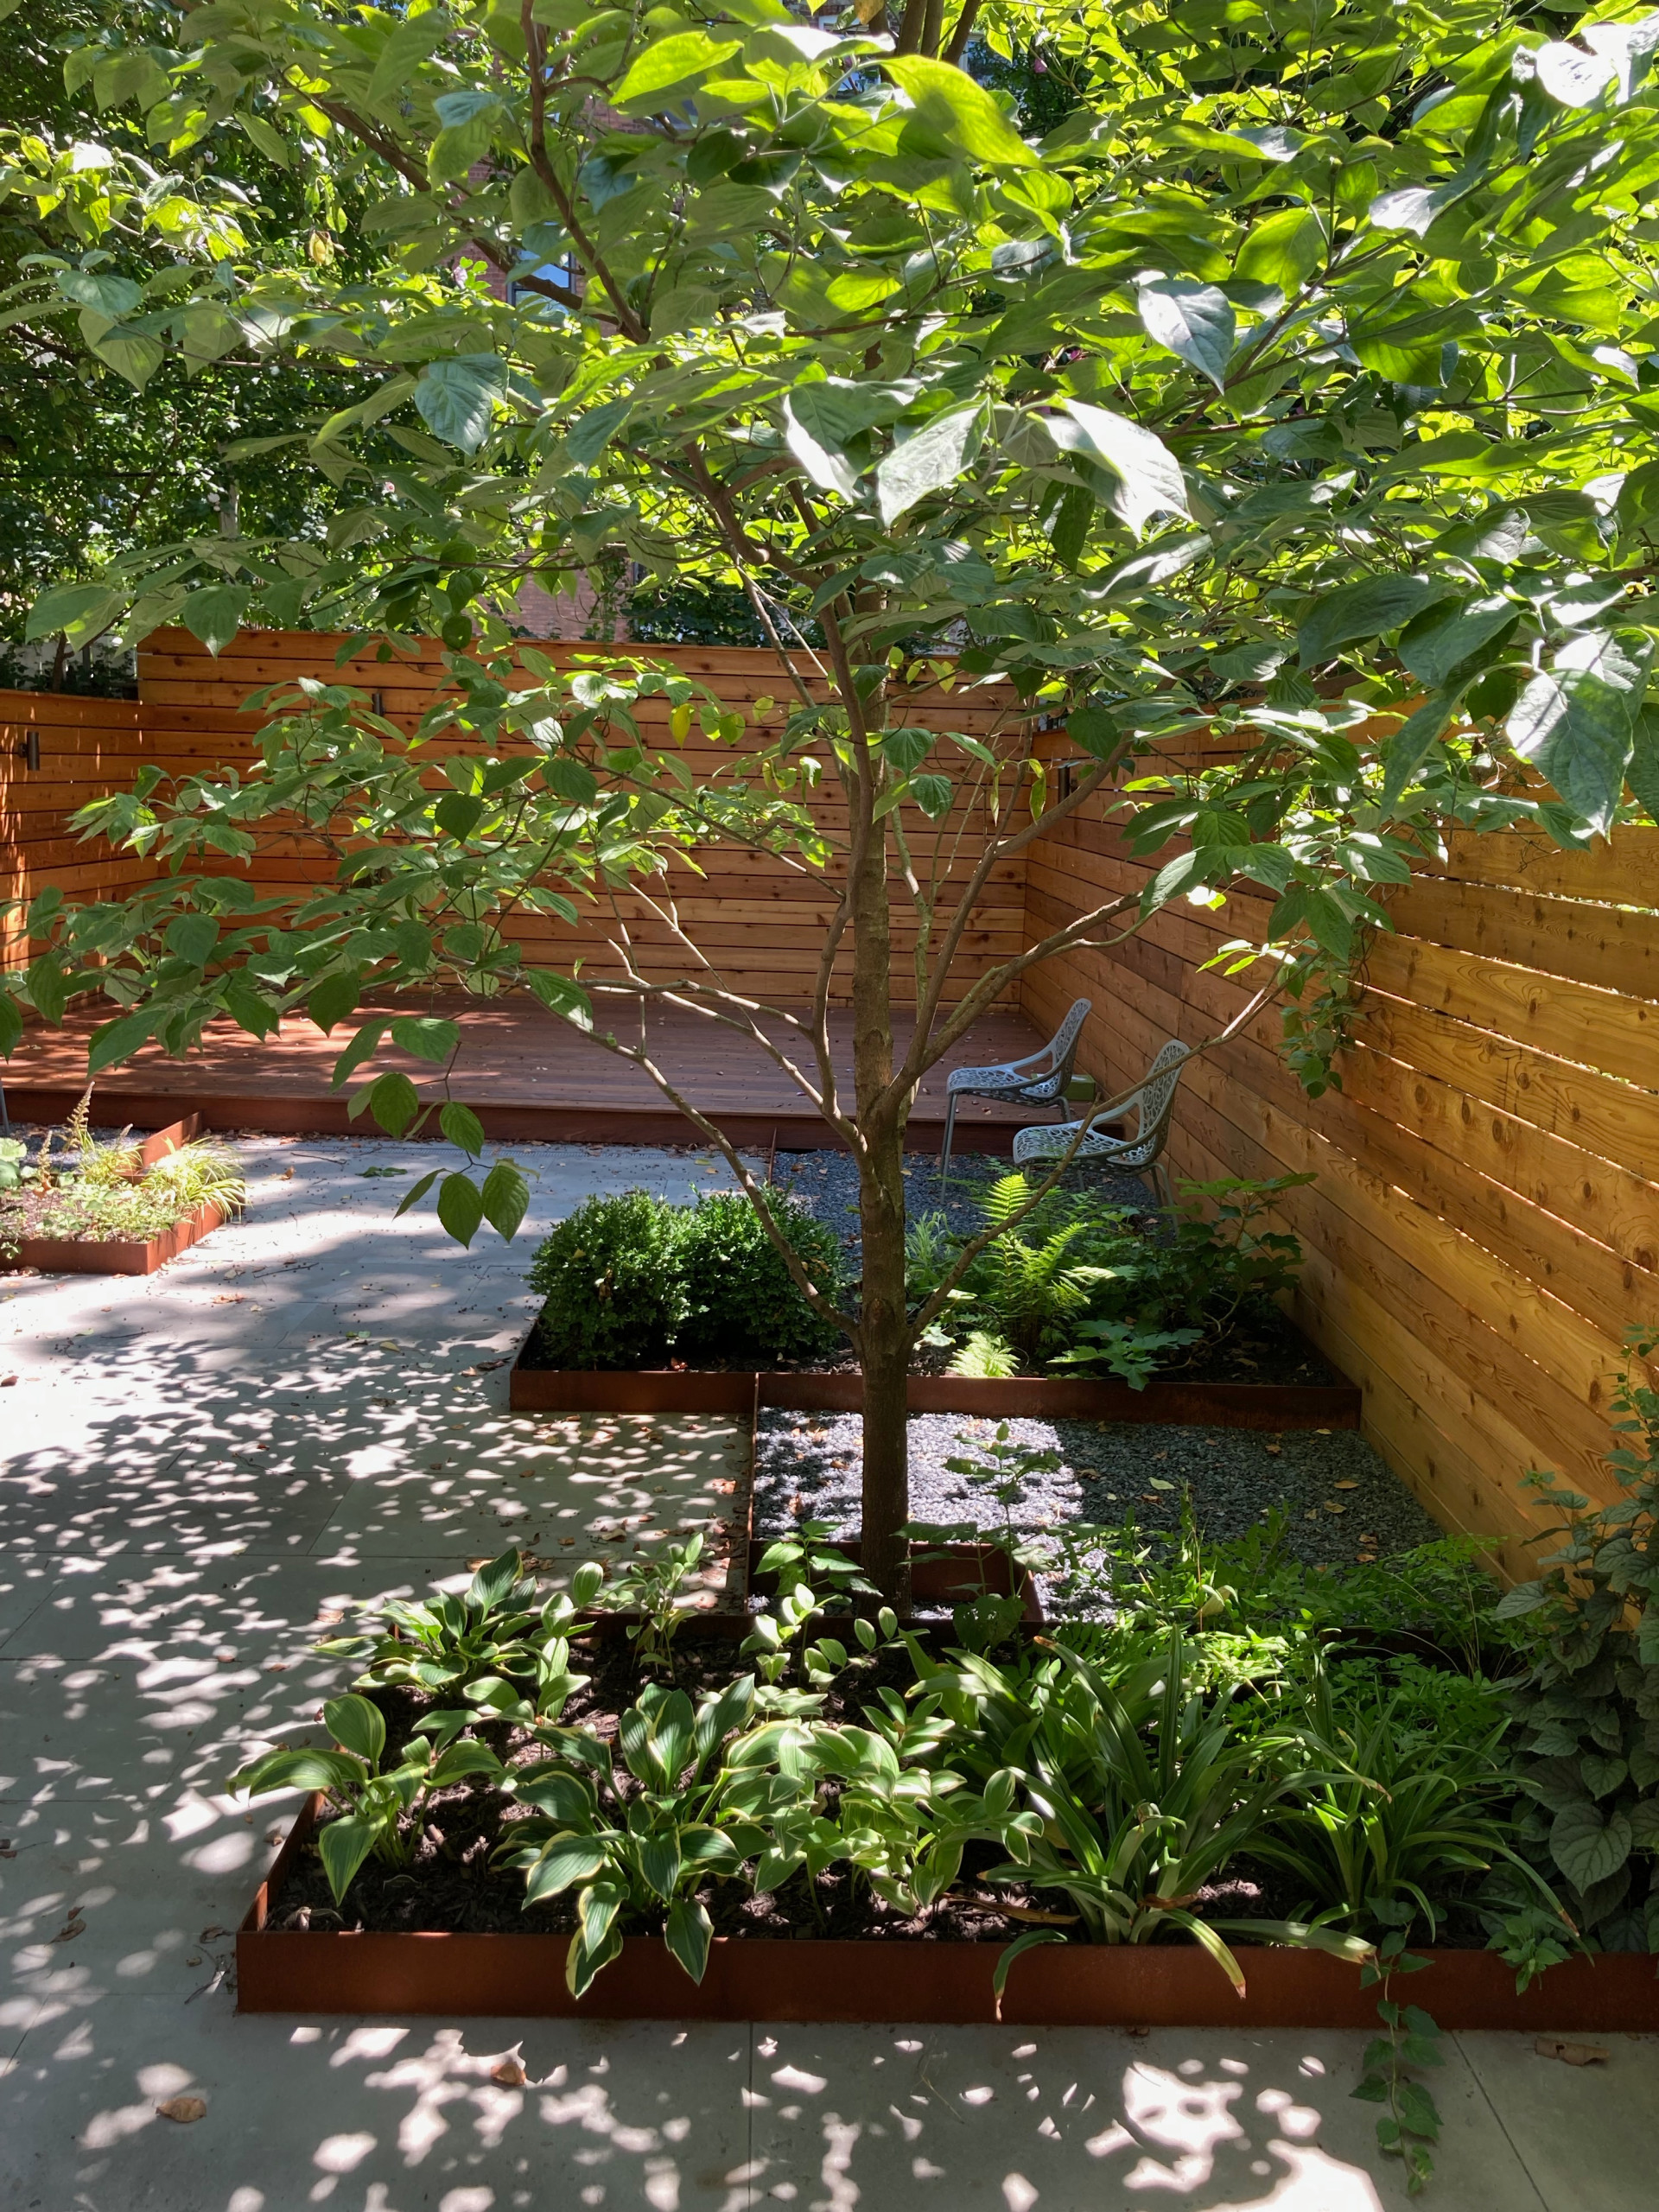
118, 1041
48, 987
818, 421
561, 995
659, 1861
1010, 1952
11, 1025
332, 999
461, 1207
462, 1125
933, 458
1642, 772
933, 794
80, 611
591, 432
366, 1041
505, 1199
1369, 608
687, 1933
456, 398
667, 65
1576, 724
1586, 1849
393, 1101
426, 1037
342, 1845
1283, 250
1404, 753
101, 291
1447, 639
356, 1725
413, 1198
1149, 475
456, 815
215, 614
959, 113
1195, 322
567, 1859
191, 937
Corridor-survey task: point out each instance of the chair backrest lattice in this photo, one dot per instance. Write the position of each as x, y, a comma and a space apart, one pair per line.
1157, 1097
1063, 1051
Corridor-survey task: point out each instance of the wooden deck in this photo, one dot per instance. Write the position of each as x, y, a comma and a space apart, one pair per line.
532, 1079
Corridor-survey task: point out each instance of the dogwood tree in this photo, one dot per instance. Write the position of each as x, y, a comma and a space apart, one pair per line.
1298, 385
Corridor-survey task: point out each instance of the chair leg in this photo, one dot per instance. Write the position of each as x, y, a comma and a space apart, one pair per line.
950, 1127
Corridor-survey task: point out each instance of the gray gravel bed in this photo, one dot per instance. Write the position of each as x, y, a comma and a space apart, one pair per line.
1340, 1495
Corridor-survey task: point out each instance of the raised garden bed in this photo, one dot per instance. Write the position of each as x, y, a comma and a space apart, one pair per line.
761, 1978
1274, 1406
109, 1256
117, 1255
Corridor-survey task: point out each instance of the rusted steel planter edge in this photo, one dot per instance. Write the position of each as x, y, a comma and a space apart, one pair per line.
946, 1983
1274, 1406
69, 1255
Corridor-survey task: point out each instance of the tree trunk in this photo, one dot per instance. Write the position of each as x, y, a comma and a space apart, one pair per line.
886, 1351
884, 1334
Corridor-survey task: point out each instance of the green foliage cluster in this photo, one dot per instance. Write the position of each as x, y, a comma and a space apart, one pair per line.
1117, 1771
217, 454
1070, 1282
1588, 1713
627, 1279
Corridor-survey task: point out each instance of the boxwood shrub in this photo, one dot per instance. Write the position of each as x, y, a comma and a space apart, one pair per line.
627, 1279
611, 1281
742, 1304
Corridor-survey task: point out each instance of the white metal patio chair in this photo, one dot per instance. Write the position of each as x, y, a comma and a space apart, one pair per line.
1038, 1080
1139, 1154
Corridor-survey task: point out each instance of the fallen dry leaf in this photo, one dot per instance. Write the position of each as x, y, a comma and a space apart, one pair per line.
1571, 2054
1274, 1450
71, 1928
1037, 1919
286, 1175
510, 2072
1344, 1486
6, 1382
183, 2109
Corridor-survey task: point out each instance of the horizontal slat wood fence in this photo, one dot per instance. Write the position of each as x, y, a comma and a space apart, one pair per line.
760, 920
1484, 1225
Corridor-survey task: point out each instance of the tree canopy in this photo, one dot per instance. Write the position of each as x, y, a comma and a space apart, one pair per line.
1296, 388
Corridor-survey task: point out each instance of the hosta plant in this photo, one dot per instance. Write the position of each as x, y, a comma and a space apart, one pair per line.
635, 1830
375, 1801
447, 1644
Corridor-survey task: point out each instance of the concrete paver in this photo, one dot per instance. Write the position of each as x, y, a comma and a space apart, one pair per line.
1075, 2119
203, 1472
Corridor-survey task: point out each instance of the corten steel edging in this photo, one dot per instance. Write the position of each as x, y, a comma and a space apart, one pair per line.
69, 1256
1273, 1406
759, 1977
